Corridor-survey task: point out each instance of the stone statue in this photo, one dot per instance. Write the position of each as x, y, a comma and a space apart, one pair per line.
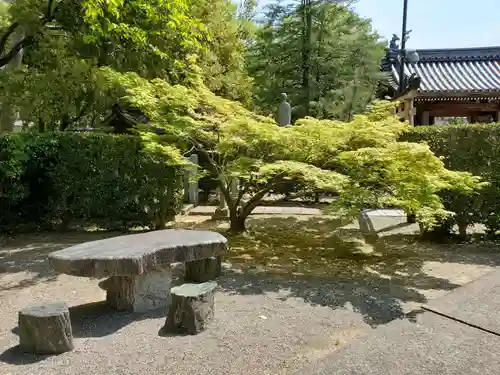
284, 111
407, 35
394, 42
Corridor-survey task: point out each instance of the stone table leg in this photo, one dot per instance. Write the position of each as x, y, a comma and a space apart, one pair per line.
200, 271
141, 293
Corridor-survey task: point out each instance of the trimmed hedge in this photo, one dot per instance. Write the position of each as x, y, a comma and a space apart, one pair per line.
472, 148
55, 179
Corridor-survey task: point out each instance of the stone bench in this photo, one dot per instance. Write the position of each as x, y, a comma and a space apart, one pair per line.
138, 265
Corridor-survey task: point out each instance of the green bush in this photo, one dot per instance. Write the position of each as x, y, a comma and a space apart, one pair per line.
60, 178
475, 149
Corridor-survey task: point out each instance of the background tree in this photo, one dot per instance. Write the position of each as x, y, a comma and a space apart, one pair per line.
321, 53
222, 61
175, 40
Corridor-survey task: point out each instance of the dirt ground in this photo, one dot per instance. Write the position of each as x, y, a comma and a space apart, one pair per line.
294, 290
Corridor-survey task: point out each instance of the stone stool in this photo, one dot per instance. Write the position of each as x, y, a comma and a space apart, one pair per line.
192, 308
45, 329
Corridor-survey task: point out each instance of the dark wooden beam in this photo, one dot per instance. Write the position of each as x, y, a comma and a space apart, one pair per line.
451, 106
451, 113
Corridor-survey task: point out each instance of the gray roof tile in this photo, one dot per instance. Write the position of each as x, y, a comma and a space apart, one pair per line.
467, 70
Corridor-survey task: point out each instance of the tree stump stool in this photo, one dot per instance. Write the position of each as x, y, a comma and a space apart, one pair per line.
192, 308
45, 329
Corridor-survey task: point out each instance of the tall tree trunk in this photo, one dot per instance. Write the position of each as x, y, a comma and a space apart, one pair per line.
41, 125
8, 117
321, 36
306, 50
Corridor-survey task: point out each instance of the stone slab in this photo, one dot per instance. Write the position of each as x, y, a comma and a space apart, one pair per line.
476, 303
136, 254
434, 345
385, 222
386, 212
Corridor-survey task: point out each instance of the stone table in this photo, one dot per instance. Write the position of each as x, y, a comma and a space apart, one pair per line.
138, 265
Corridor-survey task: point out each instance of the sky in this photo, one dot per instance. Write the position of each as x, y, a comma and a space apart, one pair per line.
436, 23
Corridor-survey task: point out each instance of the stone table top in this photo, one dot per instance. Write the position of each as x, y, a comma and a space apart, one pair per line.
136, 254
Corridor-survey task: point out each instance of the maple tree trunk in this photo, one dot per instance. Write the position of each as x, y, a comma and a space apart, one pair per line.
237, 223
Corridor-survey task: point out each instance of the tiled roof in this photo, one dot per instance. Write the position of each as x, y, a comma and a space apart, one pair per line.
465, 70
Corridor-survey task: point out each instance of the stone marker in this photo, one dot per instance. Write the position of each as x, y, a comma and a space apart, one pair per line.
221, 212
138, 265
203, 270
45, 329
192, 308
284, 111
365, 223
193, 187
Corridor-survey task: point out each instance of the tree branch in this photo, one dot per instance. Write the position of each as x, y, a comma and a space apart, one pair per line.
216, 171
50, 11
27, 41
5, 37
242, 191
255, 200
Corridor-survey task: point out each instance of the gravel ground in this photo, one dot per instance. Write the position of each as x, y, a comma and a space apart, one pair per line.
262, 325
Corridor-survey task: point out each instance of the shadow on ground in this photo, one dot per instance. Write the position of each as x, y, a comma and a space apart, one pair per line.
28, 253
313, 258
98, 319
14, 356
95, 320
322, 262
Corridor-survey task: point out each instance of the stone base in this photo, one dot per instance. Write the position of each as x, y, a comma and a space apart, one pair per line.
45, 329
220, 214
200, 271
141, 293
192, 308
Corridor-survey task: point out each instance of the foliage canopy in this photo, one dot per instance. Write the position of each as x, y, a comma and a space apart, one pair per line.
361, 160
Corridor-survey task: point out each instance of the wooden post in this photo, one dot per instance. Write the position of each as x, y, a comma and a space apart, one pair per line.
411, 112
425, 118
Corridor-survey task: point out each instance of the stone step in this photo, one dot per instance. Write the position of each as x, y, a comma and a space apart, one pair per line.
261, 210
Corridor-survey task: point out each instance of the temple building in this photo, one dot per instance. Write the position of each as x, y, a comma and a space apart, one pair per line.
445, 85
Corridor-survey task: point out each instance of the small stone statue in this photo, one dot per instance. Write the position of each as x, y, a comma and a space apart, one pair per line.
284, 111
394, 42
407, 35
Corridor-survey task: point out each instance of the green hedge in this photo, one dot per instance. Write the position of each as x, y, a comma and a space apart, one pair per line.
476, 149
56, 179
